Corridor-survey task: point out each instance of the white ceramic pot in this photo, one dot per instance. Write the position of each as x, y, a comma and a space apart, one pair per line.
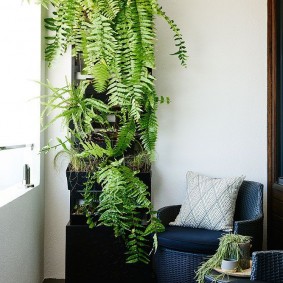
229, 265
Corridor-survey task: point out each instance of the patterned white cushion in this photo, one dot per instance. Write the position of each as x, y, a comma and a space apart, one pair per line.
210, 202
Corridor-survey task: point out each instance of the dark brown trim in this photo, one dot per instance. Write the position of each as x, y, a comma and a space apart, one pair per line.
271, 105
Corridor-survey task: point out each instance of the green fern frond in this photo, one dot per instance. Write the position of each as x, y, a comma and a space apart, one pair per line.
179, 42
126, 135
117, 92
109, 8
101, 76
136, 97
148, 127
89, 6
122, 194
49, 24
164, 99
146, 28
91, 148
99, 45
64, 27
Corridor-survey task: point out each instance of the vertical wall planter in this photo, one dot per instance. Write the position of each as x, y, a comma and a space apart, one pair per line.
109, 110
76, 185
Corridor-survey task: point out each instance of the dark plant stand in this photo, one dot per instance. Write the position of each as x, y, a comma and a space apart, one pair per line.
95, 255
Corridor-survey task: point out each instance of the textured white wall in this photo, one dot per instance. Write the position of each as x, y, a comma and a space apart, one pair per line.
216, 123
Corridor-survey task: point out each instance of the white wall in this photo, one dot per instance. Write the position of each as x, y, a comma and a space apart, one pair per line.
57, 196
21, 239
216, 123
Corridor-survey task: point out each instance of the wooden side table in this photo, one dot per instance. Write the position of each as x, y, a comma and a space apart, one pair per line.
212, 278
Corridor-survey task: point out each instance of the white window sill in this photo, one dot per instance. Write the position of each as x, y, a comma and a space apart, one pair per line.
12, 193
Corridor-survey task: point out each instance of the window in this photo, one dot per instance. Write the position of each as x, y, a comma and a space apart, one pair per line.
20, 50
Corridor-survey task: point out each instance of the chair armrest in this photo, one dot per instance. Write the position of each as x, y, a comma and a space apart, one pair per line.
267, 266
168, 214
253, 228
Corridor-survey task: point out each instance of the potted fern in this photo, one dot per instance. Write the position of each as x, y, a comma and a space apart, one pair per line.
115, 40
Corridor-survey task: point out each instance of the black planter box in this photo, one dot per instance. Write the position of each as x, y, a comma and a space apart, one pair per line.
95, 255
76, 182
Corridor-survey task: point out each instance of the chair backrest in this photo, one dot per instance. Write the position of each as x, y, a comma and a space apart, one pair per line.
249, 203
267, 266
249, 213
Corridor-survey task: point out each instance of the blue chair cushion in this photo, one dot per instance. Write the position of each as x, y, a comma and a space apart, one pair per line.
189, 239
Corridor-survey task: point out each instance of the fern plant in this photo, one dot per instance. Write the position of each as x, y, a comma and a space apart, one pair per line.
116, 41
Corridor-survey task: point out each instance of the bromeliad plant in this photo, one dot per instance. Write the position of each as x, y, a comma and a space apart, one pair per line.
115, 40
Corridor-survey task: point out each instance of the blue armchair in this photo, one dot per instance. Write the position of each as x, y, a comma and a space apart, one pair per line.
182, 249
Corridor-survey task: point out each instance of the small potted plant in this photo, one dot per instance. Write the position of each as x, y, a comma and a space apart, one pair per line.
233, 248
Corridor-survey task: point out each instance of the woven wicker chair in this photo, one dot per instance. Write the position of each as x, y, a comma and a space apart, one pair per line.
177, 260
267, 266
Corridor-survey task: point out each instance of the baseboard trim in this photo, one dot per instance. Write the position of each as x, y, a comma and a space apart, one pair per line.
53, 280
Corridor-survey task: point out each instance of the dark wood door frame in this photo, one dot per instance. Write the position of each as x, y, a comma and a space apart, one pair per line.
271, 106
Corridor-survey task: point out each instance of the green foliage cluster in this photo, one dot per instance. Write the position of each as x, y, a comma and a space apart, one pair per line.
228, 249
115, 40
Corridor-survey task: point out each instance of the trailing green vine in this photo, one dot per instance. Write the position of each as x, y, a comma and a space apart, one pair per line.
228, 249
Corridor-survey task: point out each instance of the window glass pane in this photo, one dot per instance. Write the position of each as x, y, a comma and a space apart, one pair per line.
20, 51
12, 165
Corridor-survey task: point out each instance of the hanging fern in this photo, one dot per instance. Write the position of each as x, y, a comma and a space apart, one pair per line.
99, 49
179, 42
65, 25
116, 41
123, 194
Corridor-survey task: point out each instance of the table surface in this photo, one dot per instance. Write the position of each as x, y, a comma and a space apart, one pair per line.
212, 277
